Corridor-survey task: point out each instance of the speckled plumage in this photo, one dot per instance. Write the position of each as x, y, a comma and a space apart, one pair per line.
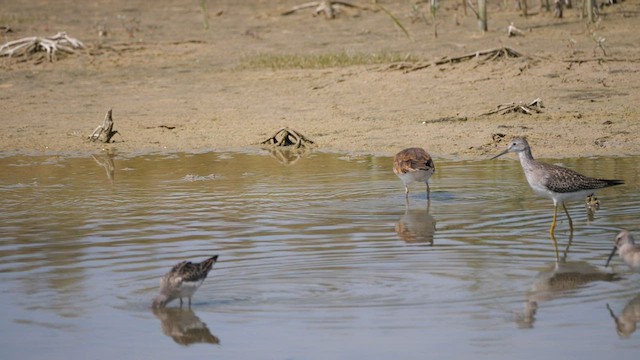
559, 179
183, 280
413, 165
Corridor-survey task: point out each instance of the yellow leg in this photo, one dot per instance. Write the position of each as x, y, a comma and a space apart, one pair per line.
570, 222
553, 223
551, 231
555, 247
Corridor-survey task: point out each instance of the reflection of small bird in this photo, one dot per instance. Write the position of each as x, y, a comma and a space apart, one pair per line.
626, 322
416, 226
184, 326
182, 281
628, 250
413, 165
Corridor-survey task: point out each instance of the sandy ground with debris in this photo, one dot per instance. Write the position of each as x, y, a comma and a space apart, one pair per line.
176, 85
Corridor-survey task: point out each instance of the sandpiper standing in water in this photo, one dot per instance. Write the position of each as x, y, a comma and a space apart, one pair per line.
413, 165
182, 281
555, 182
628, 250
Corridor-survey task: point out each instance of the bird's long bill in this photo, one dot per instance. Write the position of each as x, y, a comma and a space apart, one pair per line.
502, 153
613, 252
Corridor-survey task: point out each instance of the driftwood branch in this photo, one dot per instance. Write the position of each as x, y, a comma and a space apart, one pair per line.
104, 132
50, 45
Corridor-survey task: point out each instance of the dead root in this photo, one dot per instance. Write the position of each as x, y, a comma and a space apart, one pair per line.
482, 57
287, 137
104, 132
29, 46
328, 7
534, 107
288, 146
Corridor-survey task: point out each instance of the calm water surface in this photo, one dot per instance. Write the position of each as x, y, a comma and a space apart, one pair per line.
320, 259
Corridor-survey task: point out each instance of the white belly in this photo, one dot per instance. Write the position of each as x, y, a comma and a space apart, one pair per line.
415, 176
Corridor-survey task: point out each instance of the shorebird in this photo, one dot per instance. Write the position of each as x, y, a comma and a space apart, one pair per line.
413, 165
555, 182
628, 250
182, 281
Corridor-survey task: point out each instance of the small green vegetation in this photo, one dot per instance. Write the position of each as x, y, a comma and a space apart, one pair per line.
322, 61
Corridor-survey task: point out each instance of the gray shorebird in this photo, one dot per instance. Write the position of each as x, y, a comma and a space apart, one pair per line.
555, 182
627, 248
182, 281
413, 165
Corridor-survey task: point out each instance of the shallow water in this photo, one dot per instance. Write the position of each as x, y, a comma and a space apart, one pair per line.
320, 259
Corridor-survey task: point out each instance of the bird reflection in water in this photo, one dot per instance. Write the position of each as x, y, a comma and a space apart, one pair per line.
627, 321
559, 279
416, 226
184, 326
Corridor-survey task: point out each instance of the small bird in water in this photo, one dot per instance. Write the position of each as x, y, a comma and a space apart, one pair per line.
182, 281
413, 165
627, 249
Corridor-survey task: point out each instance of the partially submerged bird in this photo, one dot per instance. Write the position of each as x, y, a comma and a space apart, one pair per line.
555, 182
413, 165
628, 250
182, 281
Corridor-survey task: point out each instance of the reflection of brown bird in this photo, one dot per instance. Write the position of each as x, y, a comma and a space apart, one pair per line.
558, 280
182, 281
184, 327
627, 248
416, 226
626, 322
413, 165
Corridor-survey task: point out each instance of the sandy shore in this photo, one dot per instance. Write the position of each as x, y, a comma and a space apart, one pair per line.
175, 85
